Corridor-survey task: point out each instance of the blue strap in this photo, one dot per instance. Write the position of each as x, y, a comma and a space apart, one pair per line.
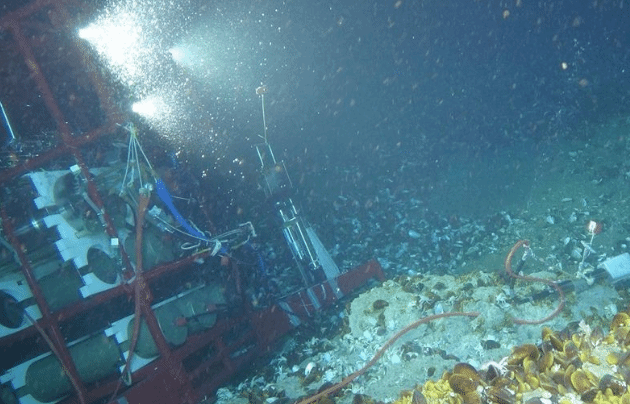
168, 201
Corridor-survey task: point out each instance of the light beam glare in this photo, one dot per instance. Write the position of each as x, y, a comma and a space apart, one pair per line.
118, 38
189, 56
152, 48
148, 108
178, 54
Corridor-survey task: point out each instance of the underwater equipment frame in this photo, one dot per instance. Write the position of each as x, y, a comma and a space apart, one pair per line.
59, 343
311, 257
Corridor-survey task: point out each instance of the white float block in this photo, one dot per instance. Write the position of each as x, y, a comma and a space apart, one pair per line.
44, 182
94, 285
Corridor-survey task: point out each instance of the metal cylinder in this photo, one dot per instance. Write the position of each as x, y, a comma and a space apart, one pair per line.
94, 358
11, 313
174, 333
60, 288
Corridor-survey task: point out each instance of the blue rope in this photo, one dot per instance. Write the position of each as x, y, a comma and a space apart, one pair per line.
165, 196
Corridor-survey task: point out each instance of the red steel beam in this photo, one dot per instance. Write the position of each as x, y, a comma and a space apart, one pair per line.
174, 367
12, 23
263, 328
92, 302
351, 280
37, 75
48, 321
267, 326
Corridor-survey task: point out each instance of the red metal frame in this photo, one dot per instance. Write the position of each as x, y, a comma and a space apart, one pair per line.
196, 369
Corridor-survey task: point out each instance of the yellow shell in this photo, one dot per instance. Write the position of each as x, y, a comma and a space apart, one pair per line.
529, 365
546, 361
500, 395
466, 370
533, 381
556, 342
567, 366
577, 340
462, 384
619, 320
594, 360
566, 378
454, 399
436, 390
524, 351
546, 331
612, 359
580, 381
550, 387
549, 335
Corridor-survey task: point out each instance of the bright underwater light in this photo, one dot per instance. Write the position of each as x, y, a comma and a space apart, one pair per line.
162, 109
151, 108
178, 54
129, 37
151, 47
188, 56
118, 38
204, 62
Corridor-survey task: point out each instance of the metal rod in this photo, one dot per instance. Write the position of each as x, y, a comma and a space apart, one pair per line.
7, 125
262, 100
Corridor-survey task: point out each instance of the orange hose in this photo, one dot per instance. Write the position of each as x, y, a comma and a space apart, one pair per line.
139, 282
508, 269
55, 351
381, 351
139, 285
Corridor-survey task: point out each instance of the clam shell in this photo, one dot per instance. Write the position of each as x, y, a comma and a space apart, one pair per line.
545, 362
524, 351
619, 320
580, 381
466, 370
500, 395
462, 384
616, 386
